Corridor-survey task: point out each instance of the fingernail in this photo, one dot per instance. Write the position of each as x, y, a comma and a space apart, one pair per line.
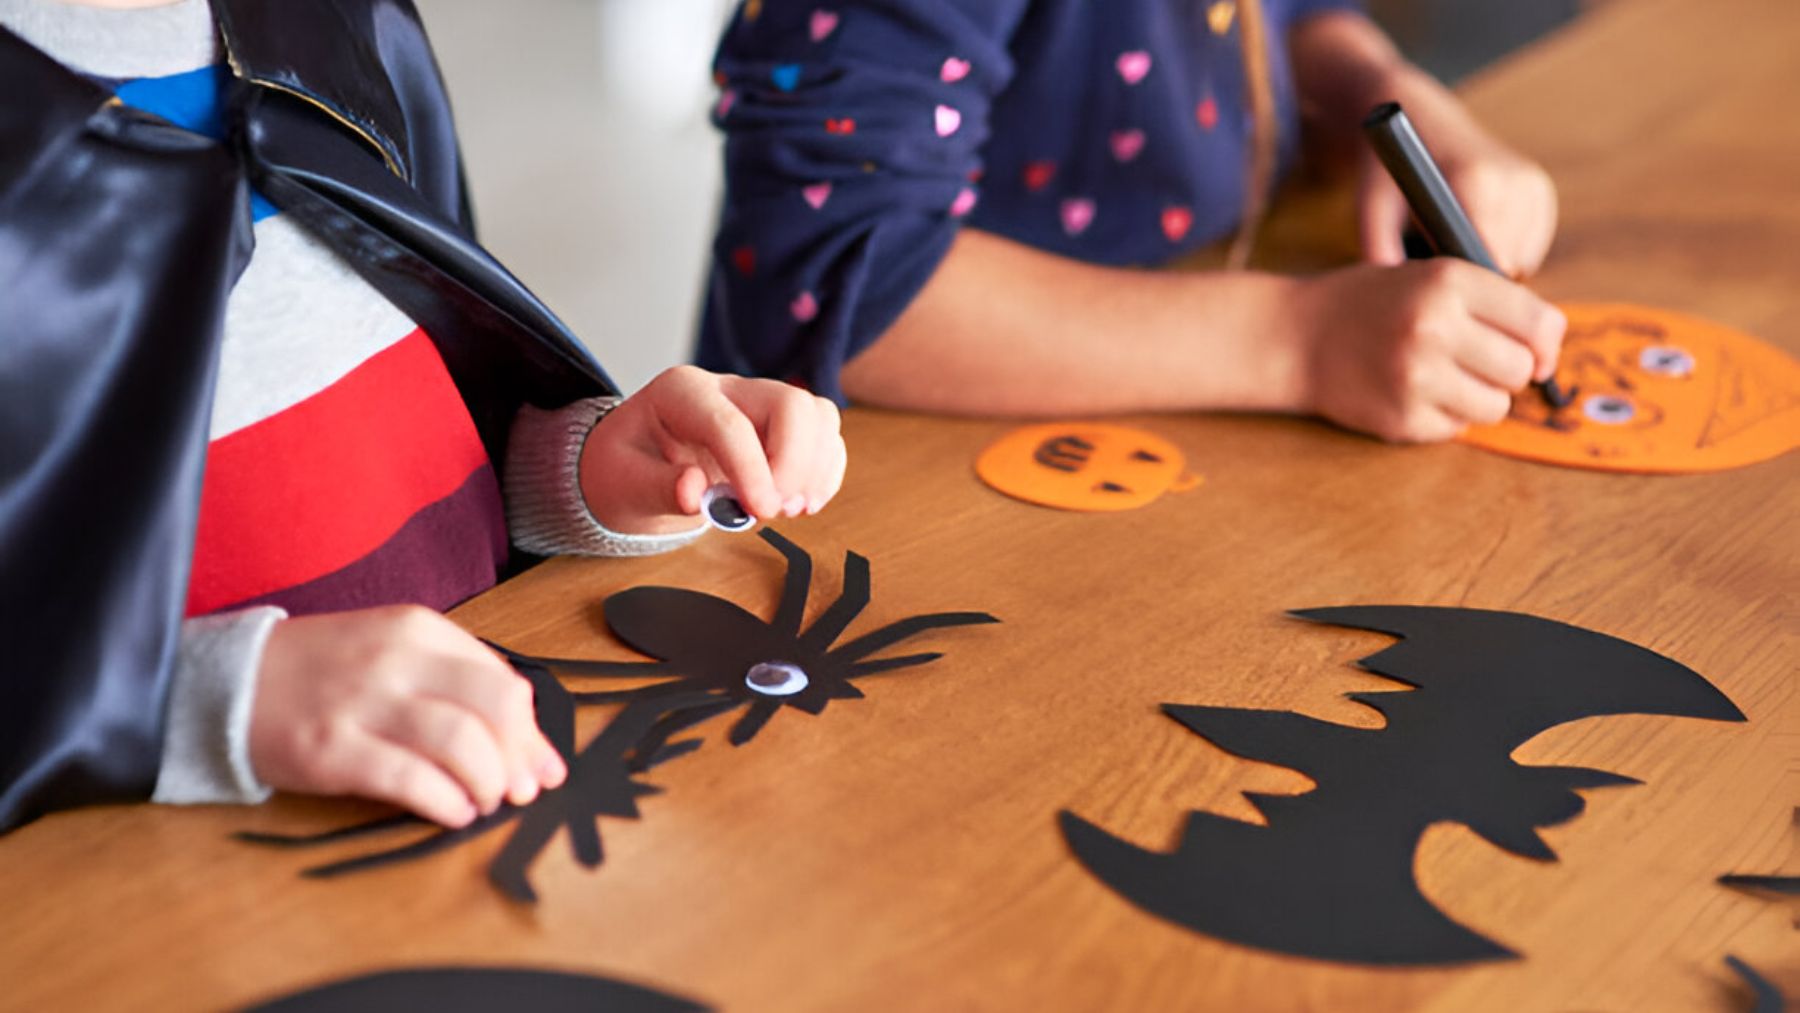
813, 506
552, 771
794, 505
524, 789
468, 816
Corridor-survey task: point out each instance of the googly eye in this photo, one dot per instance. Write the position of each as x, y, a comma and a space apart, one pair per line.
1666, 360
720, 506
1608, 409
776, 678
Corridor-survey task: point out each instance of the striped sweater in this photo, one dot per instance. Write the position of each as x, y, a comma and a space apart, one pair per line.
343, 470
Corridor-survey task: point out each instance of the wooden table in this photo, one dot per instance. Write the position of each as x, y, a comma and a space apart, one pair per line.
900, 852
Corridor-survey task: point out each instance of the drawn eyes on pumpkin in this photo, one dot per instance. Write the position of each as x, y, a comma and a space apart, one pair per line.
1608, 409
1109, 487
1666, 360
1145, 455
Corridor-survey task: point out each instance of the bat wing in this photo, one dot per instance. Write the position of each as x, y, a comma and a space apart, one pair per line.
1263, 887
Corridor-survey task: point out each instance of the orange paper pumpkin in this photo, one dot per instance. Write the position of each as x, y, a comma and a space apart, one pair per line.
1084, 466
1655, 391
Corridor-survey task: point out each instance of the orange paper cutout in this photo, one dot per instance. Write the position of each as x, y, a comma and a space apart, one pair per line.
1085, 466
1655, 391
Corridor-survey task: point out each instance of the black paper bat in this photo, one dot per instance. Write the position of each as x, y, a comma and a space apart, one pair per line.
599, 784
479, 990
1331, 875
711, 645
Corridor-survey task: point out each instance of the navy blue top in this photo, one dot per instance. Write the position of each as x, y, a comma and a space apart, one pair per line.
861, 136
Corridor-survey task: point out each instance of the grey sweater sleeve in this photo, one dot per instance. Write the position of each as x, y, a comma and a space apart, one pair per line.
545, 511
206, 744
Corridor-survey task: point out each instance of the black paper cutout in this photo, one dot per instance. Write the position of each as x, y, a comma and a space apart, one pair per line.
1768, 998
1773, 884
702, 638
480, 990
709, 644
1331, 875
599, 784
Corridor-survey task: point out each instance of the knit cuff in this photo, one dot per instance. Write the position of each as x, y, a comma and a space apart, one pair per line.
206, 745
546, 513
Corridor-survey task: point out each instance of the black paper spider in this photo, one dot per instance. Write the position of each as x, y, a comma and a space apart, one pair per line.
599, 784
711, 645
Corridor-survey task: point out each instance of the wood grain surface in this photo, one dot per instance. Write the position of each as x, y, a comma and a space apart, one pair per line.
900, 851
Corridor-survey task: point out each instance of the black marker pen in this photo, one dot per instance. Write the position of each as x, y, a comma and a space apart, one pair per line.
1433, 203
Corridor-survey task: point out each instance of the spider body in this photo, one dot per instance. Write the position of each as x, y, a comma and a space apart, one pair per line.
709, 645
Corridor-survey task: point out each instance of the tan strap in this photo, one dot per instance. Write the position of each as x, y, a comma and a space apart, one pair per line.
1259, 170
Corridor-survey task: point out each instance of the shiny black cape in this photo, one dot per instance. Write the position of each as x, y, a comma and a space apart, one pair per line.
120, 237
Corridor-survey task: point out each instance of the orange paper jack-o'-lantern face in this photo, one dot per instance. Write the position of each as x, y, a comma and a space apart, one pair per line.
1655, 391
1084, 466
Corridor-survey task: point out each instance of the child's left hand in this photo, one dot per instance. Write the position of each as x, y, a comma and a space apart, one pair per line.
1511, 199
646, 464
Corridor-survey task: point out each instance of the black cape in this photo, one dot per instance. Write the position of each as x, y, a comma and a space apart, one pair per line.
120, 238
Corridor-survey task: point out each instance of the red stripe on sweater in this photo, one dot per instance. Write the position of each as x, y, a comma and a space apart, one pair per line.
325, 482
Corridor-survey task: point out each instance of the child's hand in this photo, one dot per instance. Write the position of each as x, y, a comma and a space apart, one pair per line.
646, 464
1511, 200
1418, 352
398, 704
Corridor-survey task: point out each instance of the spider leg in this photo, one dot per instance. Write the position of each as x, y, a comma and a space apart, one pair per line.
350, 832
893, 633
880, 665
649, 749
597, 780
758, 715
793, 589
418, 849
643, 694
850, 603
604, 669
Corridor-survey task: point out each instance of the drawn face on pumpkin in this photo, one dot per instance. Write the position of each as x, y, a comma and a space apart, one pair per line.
1655, 391
1084, 466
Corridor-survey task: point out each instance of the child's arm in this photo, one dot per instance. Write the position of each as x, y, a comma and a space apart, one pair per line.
401, 704
876, 268
1408, 353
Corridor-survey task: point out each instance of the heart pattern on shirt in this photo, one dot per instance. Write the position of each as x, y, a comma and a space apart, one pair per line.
785, 76
744, 259
1219, 16
843, 126
816, 194
805, 307
948, 120
1039, 174
1077, 215
823, 23
1127, 144
963, 204
1207, 113
1176, 221
954, 70
1133, 66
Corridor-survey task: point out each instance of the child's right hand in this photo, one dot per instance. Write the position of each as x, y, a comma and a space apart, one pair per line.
1420, 351
397, 704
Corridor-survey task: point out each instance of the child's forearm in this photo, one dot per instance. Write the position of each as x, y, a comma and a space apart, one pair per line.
1004, 329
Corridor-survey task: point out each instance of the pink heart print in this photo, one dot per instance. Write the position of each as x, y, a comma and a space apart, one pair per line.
823, 23
954, 70
727, 99
964, 203
1077, 215
1127, 144
949, 121
816, 194
804, 307
1133, 66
